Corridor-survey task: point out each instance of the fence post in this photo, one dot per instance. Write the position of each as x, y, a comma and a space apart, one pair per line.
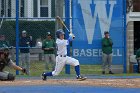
67, 21
17, 35
125, 44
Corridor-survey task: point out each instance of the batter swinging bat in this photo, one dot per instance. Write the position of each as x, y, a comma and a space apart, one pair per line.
61, 21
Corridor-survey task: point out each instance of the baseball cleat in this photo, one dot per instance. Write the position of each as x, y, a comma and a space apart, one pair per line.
110, 72
103, 72
81, 78
43, 76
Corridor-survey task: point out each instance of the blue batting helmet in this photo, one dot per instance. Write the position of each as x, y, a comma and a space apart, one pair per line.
59, 32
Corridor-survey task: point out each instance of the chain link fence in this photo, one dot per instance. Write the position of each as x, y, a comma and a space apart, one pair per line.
36, 18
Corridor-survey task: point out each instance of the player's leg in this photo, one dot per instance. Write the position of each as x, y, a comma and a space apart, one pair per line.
3, 76
47, 59
27, 59
53, 61
110, 63
6, 76
104, 62
22, 59
74, 62
60, 62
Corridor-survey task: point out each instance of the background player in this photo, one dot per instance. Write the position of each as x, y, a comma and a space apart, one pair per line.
62, 58
25, 42
5, 61
48, 46
107, 44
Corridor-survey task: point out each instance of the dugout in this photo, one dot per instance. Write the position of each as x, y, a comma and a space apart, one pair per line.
133, 31
133, 44
136, 35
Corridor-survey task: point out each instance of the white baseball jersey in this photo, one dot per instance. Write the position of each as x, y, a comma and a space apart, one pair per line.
62, 59
62, 46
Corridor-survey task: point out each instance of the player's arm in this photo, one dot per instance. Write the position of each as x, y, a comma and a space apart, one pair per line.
43, 46
53, 47
14, 66
105, 43
17, 68
62, 43
71, 38
20, 43
30, 41
67, 42
110, 42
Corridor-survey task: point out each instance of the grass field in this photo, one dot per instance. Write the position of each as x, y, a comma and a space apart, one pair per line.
37, 67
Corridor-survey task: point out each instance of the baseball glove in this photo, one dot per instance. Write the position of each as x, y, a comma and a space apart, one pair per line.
24, 71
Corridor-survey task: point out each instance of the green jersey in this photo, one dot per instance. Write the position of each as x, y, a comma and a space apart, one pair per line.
107, 45
48, 44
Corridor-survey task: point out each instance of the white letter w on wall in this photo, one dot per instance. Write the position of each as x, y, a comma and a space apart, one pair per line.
100, 12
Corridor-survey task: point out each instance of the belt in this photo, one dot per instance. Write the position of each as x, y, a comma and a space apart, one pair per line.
62, 55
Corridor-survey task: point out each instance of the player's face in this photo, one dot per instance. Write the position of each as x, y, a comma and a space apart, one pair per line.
23, 34
3, 37
49, 37
106, 35
61, 36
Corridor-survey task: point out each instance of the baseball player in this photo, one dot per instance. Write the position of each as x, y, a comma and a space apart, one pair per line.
62, 58
107, 44
5, 61
26, 42
48, 46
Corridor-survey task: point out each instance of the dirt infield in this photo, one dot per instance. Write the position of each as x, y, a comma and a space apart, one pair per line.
128, 83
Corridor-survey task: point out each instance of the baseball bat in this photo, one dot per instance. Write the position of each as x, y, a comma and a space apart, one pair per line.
61, 21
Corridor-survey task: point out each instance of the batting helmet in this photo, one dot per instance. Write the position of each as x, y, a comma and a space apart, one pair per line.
59, 32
